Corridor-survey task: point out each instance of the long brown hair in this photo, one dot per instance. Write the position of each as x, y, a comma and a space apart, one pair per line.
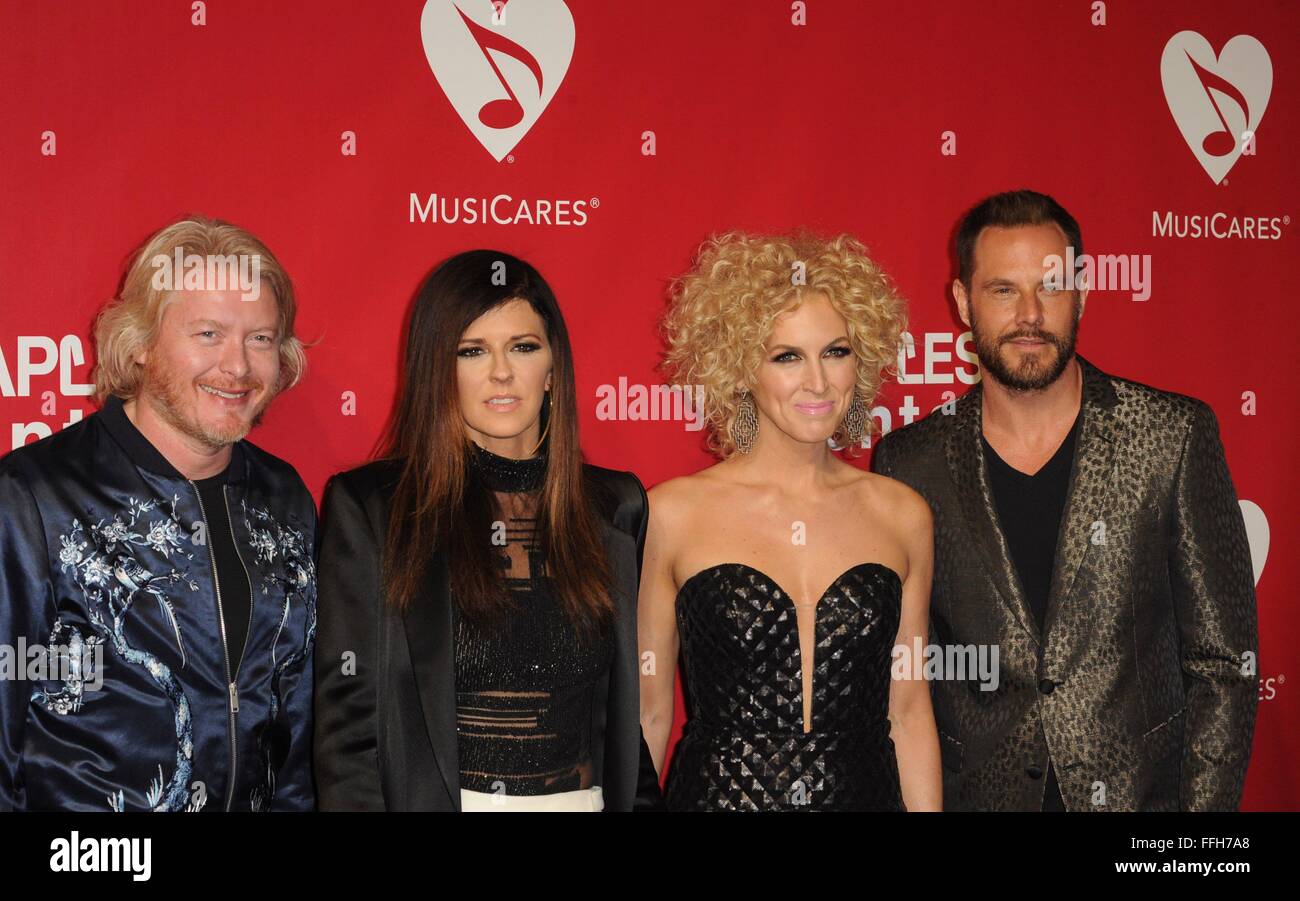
440, 502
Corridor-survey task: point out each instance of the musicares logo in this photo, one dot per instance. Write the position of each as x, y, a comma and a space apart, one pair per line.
498, 63
1217, 102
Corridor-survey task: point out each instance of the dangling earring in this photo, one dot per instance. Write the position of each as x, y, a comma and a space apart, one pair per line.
855, 419
744, 430
546, 412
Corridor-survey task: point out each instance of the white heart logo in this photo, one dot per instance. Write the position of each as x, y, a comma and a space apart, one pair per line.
499, 66
1215, 100
1256, 534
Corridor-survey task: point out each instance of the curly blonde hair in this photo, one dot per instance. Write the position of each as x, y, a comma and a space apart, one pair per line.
723, 311
131, 321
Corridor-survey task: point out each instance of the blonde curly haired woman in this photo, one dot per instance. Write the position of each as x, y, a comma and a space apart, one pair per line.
784, 575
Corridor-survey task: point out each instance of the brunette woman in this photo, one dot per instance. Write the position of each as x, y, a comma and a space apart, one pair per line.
477, 583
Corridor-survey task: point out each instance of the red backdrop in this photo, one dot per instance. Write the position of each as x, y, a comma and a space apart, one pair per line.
313, 124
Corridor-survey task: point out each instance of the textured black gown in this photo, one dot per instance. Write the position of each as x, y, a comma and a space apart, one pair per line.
744, 747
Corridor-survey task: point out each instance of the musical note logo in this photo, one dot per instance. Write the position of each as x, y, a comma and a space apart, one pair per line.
1216, 100
499, 73
1219, 143
508, 111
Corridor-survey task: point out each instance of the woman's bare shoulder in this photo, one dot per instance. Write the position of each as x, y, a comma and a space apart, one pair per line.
686, 490
895, 502
678, 502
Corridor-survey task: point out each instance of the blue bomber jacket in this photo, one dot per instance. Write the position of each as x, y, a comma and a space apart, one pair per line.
117, 693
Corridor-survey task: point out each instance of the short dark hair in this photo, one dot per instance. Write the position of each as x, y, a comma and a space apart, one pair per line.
1007, 210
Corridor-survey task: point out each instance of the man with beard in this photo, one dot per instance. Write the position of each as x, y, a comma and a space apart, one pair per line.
1087, 530
153, 545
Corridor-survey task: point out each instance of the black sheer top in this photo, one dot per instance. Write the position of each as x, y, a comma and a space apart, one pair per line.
525, 686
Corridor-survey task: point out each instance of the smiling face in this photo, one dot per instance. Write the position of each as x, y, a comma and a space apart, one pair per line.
1024, 329
809, 371
503, 370
215, 365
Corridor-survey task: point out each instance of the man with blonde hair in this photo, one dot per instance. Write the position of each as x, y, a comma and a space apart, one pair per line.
165, 562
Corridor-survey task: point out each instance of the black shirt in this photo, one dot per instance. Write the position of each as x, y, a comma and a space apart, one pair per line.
232, 579
1030, 508
526, 684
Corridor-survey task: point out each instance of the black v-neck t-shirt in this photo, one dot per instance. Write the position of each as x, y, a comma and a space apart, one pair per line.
1030, 508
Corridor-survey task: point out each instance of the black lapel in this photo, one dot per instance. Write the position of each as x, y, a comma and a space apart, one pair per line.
1091, 483
429, 635
623, 709
965, 453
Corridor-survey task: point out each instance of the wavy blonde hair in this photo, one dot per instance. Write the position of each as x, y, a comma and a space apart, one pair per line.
130, 322
723, 311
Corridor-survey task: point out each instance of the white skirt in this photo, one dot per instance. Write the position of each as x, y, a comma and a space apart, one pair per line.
585, 800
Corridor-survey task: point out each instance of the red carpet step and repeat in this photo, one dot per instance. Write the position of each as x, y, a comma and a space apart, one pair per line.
603, 141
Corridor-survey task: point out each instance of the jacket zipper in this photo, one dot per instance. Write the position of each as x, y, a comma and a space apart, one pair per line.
232, 691
243, 652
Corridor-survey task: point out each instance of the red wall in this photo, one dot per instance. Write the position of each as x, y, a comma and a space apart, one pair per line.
759, 123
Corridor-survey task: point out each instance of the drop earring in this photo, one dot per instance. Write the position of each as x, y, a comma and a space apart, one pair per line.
744, 429
855, 419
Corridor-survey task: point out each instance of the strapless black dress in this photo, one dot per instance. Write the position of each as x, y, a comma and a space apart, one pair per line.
744, 747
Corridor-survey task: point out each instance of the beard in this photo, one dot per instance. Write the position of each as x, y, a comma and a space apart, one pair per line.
166, 393
1030, 374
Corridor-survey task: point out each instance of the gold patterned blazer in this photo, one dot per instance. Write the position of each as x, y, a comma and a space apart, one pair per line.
1139, 687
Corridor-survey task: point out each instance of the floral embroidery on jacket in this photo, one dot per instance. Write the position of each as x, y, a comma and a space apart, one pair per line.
102, 561
285, 563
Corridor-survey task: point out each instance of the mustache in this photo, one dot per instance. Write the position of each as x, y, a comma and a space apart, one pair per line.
1037, 336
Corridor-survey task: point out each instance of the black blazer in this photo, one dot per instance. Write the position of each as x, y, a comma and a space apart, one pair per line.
385, 734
